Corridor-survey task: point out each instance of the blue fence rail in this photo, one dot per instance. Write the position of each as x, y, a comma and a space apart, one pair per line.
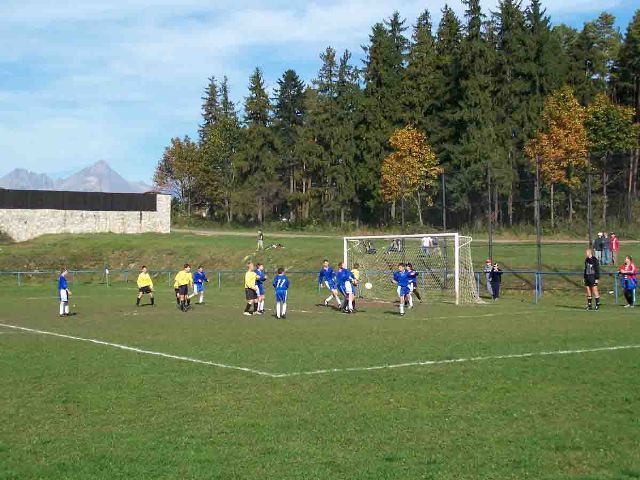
537, 286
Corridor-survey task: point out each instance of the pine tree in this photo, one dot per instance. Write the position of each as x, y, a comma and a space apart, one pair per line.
289, 112
211, 107
257, 160
227, 107
629, 64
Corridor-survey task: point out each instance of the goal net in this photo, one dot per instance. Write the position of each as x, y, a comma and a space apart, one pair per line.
442, 261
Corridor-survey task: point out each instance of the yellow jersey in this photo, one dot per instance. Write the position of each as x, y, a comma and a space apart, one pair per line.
250, 280
356, 274
183, 278
144, 280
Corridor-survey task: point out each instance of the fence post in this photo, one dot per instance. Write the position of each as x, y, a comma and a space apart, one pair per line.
19, 280
615, 286
169, 278
478, 282
219, 280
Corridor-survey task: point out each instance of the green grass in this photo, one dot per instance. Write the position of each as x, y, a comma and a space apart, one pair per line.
78, 410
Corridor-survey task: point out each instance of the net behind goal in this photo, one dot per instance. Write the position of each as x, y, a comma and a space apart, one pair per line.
443, 262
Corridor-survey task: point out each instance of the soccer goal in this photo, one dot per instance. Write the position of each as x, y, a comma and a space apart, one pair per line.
442, 260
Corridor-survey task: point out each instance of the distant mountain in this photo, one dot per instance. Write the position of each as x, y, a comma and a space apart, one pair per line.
99, 177
21, 179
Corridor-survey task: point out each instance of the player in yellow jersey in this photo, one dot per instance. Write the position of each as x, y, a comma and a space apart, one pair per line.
145, 286
250, 290
182, 282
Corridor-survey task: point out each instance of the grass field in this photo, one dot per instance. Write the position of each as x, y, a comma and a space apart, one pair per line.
502, 390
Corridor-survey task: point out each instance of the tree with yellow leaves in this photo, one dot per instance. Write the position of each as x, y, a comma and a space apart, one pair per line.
411, 168
559, 149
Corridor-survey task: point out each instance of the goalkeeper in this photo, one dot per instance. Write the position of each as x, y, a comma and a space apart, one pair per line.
591, 278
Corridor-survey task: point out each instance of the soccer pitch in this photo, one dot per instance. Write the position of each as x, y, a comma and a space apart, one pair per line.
504, 390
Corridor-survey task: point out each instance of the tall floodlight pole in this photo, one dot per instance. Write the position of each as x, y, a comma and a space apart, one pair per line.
490, 214
444, 205
589, 208
537, 217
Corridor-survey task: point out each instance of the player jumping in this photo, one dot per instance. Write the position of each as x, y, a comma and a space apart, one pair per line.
199, 279
63, 293
401, 279
260, 279
591, 277
145, 286
326, 278
281, 285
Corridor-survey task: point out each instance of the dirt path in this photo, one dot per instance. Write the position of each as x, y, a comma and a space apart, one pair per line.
231, 233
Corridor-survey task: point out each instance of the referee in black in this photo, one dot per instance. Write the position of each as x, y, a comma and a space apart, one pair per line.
591, 277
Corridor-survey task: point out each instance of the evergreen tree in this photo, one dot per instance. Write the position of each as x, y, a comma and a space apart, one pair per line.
257, 160
227, 107
630, 66
211, 107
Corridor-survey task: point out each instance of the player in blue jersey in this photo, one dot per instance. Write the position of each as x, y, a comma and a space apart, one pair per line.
413, 284
346, 286
326, 278
63, 293
260, 279
401, 279
199, 280
281, 285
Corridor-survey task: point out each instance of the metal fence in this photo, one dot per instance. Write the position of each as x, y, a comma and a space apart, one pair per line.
524, 282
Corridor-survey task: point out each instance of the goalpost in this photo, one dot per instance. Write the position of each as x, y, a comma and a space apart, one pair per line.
442, 260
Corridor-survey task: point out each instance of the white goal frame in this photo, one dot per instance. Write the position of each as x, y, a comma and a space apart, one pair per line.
453, 235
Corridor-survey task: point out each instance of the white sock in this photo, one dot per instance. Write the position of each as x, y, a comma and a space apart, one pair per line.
284, 308
61, 308
201, 297
328, 299
411, 300
402, 308
262, 306
278, 309
338, 302
350, 303
66, 308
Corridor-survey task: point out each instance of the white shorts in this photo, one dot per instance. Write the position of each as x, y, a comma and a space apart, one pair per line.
64, 295
348, 288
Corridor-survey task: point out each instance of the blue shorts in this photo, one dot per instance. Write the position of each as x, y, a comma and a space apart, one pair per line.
281, 296
260, 288
403, 291
331, 285
198, 287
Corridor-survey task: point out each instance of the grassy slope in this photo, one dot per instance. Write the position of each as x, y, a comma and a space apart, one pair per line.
79, 411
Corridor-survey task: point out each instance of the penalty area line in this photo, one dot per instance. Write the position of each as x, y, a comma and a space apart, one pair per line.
456, 360
142, 351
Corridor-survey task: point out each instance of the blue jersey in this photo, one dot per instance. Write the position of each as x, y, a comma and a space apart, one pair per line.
402, 278
199, 278
62, 282
281, 284
260, 278
343, 276
413, 276
327, 276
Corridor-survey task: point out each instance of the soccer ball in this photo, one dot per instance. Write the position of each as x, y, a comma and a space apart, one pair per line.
368, 286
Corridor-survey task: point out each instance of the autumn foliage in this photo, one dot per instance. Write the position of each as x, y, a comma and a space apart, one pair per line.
411, 167
561, 145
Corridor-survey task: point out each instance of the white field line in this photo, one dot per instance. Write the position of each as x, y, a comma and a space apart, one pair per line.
145, 352
332, 370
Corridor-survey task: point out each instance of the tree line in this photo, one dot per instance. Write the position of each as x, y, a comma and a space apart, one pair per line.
493, 102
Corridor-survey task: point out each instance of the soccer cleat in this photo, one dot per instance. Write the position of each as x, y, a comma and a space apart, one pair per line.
597, 307
402, 314
284, 317
326, 304
247, 313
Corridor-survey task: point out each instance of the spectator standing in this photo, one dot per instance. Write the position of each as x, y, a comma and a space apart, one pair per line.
496, 280
629, 280
614, 247
597, 248
606, 253
427, 242
260, 240
487, 275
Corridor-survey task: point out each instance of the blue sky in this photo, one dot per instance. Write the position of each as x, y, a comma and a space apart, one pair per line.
114, 80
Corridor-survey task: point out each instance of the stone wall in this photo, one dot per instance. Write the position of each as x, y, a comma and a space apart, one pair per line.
21, 225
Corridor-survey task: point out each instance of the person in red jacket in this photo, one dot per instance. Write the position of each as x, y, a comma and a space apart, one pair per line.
614, 242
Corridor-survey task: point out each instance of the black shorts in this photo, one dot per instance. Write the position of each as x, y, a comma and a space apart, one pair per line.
183, 290
250, 294
146, 289
590, 281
